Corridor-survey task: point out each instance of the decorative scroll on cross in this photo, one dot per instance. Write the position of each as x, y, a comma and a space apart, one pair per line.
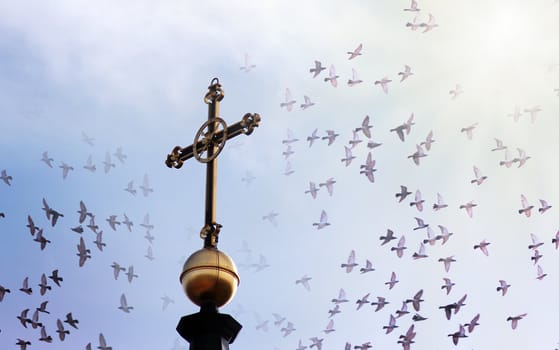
208, 143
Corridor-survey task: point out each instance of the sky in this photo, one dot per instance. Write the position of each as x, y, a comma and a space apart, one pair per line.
133, 74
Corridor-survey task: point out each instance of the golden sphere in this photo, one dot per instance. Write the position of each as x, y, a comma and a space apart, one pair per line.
209, 276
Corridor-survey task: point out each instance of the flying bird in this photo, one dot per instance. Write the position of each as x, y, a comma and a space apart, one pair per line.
288, 169
112, 221
469, 130
456, 92
418, 154
522, 157
146, 224
413, 25
40, 238
149, 254
406, 73
406, 126
544, 206
323, 221
391, 324
421, 253
124, 304
380, 303
355, 141
329, 327
365, 127
483, 247
65, 169
3, 292
403, 310
447, 261
440, 204
146, 190
87, 139
247, 67
71, 321
472, 324
288, 329
400, 247
348, 156
383, 84
48, 161
503, 287
500, 145
447, 285
83, 252
362, 301
418, 202
350, 264
526, 208
108, 163
44, 337
533, 112
304, 281
89, 164
334, 311
540, 274
119, 155
99, 241
469, 208
356, 52
461, 333
332, 77
416, 300
479, 177
130, 273
341, 297
25, 287
83, 212
413, 7
166, 301
317, 68
271, 217
44, 286
128, 223
354, 79
429, 25
313, 137
116, 269
130, 188
329, 184
23, 319
420, 224
289, 151
103, 343
316, 342
61, 331
22, 344
308, 103
403, 193
368, 267
288, 101
330, 136
514, 320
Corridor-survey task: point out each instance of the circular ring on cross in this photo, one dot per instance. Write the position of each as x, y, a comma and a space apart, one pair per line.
210, 140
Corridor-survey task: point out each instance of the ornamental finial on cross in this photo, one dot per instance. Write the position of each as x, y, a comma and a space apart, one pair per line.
208, 143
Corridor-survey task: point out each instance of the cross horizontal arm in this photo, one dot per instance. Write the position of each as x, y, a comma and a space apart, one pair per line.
246, 126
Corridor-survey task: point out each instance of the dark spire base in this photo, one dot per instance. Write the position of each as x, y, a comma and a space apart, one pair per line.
208, 329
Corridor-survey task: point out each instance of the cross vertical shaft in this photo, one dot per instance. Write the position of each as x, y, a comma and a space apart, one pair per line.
211, 169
